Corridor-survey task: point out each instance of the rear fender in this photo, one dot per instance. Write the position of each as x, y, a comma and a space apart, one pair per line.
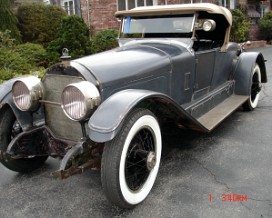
243, 71
107, 120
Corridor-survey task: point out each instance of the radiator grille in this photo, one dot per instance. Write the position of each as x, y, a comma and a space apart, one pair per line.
55, 119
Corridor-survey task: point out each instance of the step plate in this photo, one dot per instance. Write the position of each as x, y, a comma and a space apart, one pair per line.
215, 116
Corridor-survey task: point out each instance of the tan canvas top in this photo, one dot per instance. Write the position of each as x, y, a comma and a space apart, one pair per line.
177, 9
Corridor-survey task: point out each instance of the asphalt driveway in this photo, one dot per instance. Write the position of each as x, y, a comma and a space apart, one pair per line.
223, 174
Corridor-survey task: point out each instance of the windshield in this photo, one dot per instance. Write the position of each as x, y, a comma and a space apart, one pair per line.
163, 26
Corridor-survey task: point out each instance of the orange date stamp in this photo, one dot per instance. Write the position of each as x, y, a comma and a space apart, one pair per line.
230, 197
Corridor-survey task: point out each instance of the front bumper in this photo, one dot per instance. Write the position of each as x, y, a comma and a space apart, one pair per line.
76, 157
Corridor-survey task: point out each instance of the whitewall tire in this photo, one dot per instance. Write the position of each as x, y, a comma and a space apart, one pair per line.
256, 86
130, 162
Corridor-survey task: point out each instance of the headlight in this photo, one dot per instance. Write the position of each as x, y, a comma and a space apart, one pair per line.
79, 99
209, 25
26, 93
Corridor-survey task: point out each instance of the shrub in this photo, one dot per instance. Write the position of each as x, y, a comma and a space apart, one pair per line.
10, 60
35, 54
39, 23
266, 25
8, 20
52, 57
6, 74
16, 62
240, 26
73, 35
104, 40
6, 41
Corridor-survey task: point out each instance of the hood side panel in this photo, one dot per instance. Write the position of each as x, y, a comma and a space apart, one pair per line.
127, 64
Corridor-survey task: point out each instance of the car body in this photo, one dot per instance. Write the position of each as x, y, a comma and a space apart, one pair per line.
175, 64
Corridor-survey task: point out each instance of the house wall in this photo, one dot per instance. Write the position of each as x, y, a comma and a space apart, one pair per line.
99, 14
254, 32
102, 15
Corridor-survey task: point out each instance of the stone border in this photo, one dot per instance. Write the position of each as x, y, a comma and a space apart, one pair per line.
256, 44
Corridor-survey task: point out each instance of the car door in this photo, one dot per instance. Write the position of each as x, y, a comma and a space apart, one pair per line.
204, 70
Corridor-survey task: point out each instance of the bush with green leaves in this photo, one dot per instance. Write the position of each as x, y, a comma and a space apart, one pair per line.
34, 53
21, 60
73, 35
39, 23
8, 19
6, 40
14, 61
240, 26
266, 25
12, 64
6, 74
104, 40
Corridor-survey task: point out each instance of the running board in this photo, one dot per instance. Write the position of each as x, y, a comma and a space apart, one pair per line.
215, 116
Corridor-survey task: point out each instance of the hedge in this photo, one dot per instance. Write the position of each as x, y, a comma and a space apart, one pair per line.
39, 23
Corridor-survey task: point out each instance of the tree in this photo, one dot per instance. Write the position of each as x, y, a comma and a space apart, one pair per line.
266, 25
73, 35
240, 26
8, 20
39, 23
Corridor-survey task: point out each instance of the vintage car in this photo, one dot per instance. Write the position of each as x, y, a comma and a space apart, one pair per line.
175, 64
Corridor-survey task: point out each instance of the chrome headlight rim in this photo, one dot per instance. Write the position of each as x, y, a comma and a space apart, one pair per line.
78, 100
27, 92
209, 25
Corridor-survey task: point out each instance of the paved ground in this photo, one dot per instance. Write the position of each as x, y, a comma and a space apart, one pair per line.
235, 160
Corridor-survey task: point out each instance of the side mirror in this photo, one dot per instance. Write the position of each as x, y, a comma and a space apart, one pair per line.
208, 25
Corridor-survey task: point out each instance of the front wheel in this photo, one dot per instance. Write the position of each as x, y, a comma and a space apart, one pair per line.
130, 162
256, 86
9, 128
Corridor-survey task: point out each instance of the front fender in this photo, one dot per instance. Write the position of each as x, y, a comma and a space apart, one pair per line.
106, 121
243, 71
5, 89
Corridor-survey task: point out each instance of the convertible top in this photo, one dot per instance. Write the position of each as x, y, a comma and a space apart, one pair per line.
208, 8
177, 9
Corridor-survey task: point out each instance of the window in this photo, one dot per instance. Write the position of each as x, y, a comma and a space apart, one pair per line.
129, 4
69, 7
227, 3
157, 26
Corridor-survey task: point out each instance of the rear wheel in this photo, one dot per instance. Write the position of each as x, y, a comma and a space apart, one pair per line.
256, 87
131, 160
9, 128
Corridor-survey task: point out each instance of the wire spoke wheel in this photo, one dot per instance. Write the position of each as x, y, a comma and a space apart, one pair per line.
131, 160
137, 166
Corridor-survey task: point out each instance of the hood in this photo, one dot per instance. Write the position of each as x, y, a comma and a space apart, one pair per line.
127, 64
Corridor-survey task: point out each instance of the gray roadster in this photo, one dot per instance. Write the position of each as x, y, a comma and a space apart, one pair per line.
175, 64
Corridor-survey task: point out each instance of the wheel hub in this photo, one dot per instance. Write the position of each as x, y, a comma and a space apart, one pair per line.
151, 160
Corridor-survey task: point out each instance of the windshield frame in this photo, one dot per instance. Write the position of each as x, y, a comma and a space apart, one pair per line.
151, 26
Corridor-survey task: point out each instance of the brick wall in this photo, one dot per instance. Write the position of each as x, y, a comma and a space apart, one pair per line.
100, 13
254, 32
171, 2
84, 11
161, 2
